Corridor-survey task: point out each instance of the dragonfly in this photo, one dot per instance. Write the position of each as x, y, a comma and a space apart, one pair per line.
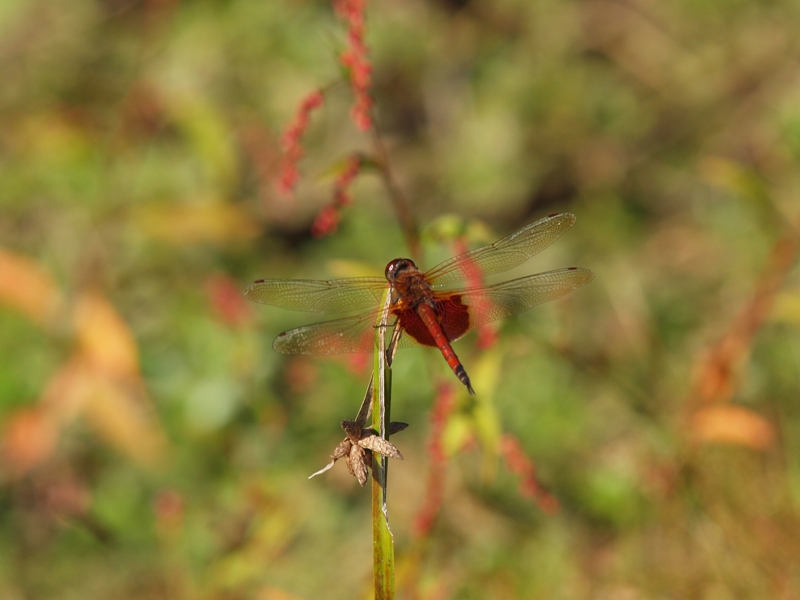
433, 308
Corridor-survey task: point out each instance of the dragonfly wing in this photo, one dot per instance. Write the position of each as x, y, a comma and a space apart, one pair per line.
340, 336
508, 298
336, 295
460, 312
504, 254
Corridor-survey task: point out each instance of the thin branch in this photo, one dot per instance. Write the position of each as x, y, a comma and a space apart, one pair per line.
408, 223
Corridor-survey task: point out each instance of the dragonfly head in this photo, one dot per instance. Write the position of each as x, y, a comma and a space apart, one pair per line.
398, 266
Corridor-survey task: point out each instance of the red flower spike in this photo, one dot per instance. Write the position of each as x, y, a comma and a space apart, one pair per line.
434, 487
358, 364
227, 301
289, 176
487, 334
326, 223
292, 148
355, 60
519, 464
341, 194
328, 218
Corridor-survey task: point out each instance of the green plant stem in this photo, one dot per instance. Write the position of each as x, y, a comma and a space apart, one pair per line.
382, 540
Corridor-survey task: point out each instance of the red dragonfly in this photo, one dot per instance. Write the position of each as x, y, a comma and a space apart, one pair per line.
430, 311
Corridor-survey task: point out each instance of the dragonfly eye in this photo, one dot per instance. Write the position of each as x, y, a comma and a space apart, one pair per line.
397, 266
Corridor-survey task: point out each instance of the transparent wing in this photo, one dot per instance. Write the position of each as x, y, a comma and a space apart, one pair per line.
490, 303
336, 295
483, 305
340, 336
504, 254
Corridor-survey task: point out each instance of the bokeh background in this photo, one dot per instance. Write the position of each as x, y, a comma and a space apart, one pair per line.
154, 446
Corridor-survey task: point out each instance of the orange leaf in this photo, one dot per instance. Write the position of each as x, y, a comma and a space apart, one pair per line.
27, 287
116, 408
31, 434
112, 395
29, 437
102, 383
730, 424
105, 340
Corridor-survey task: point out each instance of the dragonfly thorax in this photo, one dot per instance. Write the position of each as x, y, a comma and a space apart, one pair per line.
409, 286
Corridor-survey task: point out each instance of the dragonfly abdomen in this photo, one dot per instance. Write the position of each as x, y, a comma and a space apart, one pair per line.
428, 317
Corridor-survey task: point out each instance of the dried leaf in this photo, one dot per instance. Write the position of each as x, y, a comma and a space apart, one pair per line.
357, 448
352, 429
381, 446
25, 286
396, 427
733, 425
342, 450
357, 463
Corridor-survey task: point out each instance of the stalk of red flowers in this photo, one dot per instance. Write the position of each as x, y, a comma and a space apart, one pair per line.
291, 142
519, 464
355, 60
434, 488
487, 333
327, 220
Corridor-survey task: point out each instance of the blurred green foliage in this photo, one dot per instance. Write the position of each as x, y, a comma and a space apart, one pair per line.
138, 145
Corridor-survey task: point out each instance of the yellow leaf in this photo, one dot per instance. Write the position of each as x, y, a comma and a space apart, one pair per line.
112, 395
120, 414
721, 172
786, 308
487, 371
213, 223
457, 433
273, 593
732, 176
730, 424
351, 268
27, 287
209, 135
104, 339
51, 140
